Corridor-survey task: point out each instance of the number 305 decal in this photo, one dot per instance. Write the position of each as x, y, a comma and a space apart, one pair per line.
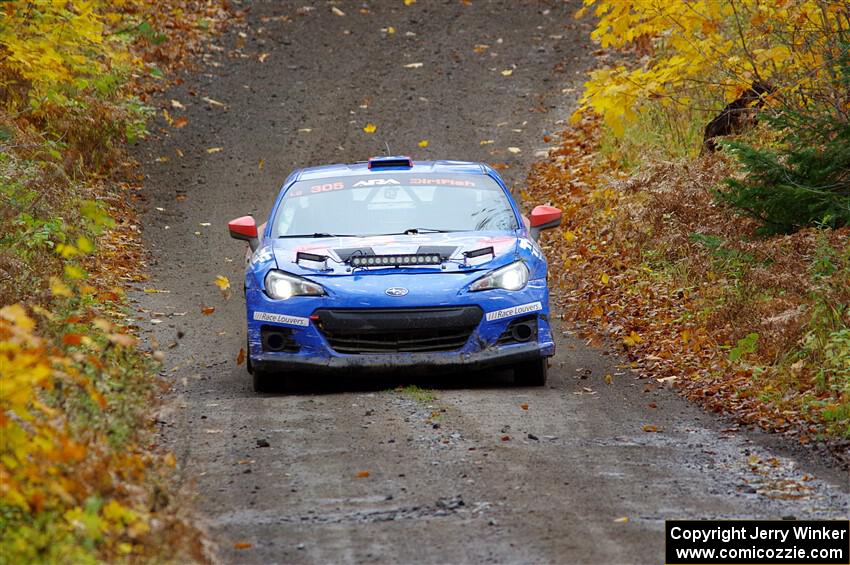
327, 187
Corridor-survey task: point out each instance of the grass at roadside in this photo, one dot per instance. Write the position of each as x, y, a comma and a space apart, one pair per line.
685, 286
81, 479
417, 394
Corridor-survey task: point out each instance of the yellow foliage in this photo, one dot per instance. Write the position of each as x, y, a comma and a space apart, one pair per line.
52, 47
43, 465
688, 49
28, 431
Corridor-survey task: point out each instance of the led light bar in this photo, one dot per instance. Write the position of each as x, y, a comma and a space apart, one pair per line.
395, 260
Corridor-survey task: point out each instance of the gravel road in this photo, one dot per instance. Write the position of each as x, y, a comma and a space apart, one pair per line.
462, 469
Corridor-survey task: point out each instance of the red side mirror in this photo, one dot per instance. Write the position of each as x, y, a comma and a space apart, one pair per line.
545, 217
244, 228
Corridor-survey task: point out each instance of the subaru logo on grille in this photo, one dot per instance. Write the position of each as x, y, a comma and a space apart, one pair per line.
396, 291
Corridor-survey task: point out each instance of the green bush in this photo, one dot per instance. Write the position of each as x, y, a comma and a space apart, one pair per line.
803, 182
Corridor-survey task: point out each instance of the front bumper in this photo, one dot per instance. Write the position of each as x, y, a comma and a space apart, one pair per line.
409, 362
331, 333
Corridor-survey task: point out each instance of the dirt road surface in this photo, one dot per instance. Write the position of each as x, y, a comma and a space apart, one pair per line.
461, 472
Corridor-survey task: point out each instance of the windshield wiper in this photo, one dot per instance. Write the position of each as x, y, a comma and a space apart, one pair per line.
316, 234
414, 231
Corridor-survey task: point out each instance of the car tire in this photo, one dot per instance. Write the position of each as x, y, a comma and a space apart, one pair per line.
531, 373
263, 381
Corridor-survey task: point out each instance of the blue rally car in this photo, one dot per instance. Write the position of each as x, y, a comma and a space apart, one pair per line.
396, 265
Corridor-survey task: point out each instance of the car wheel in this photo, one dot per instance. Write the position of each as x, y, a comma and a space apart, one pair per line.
531, 373
263, 380
248, 365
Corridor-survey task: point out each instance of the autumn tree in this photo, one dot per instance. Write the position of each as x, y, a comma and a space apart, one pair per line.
695, 57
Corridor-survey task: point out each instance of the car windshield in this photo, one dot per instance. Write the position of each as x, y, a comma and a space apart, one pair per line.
383, 203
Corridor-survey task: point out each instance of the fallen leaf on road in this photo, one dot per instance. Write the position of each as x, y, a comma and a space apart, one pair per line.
668, 382
263, 56
222, 282
524, 405
177, 105
362, 474
214, 149
633, 339
423, 144
241, 545
507, 72
608, 379
413, 65
514, 150
336, 11
207, 310
212, 102
650, 428
409, 2
506, 438
623, 520
240, 357
390, 30
261, 164
370, 128
122, 339
180, 122
605, 278
486, 142
480, 48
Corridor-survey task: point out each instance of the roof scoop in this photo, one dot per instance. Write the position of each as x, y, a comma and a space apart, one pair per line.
393, 162
476, 253
311, 258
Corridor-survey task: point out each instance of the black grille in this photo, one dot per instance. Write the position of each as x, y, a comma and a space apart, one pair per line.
408, 330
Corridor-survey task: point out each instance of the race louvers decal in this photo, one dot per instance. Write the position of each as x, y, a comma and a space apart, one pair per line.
282, 319
514, 311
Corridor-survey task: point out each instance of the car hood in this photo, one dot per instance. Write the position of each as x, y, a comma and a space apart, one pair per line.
452, 245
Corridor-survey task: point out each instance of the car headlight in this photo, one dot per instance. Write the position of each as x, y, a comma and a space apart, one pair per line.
281, 286
510, 277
